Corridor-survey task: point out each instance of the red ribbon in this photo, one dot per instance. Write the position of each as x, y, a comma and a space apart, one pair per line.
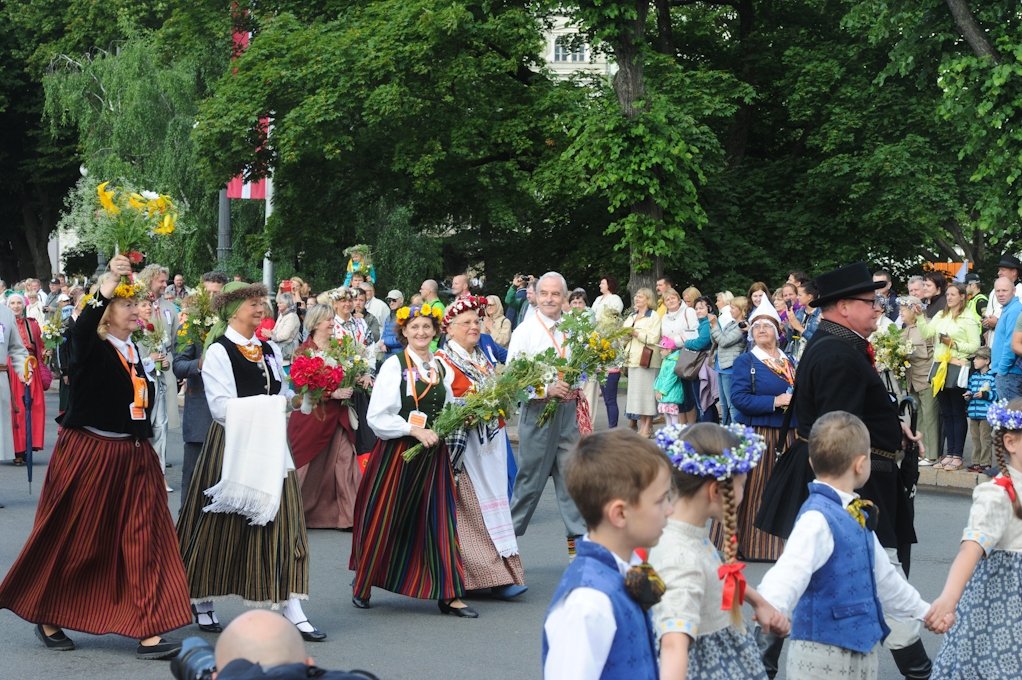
1005, 483
734, 584
871, 353
582, 415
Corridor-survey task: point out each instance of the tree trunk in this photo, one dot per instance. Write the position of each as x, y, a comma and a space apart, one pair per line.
738, 134
39, 221
630, 88
971, 30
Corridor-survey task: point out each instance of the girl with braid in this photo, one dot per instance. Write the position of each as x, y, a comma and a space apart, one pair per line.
699, 619
984, 587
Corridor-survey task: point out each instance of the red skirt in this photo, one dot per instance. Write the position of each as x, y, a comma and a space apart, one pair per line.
18, 411
102, 556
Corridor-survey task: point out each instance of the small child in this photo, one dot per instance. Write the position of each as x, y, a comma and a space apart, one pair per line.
982, 392
834, 578
699, 621
987, 599
668, 388
359, 260
598, 624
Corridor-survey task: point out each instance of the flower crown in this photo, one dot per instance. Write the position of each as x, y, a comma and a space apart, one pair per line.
127, 290
462, 305
405, 313
1001, 417
733, 461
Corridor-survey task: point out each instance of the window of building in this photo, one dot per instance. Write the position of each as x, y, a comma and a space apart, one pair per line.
570, 49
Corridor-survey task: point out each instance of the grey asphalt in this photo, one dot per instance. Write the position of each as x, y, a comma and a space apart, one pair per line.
399, 638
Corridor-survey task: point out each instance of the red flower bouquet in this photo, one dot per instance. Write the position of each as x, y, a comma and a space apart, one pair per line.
315, 374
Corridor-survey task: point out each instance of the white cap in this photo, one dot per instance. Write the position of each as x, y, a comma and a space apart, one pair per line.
766, 308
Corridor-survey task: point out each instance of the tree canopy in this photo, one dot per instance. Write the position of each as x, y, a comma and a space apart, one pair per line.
733, 142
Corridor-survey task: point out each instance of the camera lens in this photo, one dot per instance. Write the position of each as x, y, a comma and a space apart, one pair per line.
195, 661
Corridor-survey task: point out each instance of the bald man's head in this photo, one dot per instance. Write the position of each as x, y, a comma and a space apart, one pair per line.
261, 637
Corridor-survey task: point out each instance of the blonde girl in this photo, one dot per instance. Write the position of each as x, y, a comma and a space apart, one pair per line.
699, 620
981, 602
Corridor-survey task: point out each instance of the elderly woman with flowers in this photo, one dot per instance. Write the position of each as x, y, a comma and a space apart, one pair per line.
323, 442
405, 537
479, 458
102, 554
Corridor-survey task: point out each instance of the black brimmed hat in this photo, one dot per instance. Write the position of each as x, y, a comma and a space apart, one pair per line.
845, 282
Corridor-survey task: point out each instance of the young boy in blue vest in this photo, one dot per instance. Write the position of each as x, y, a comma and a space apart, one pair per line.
834, 579
597, 627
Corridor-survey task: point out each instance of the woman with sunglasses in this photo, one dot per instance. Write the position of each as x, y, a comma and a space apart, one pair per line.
762, 380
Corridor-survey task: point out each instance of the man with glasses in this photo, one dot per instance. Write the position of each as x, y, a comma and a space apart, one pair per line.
389, 344
838, 373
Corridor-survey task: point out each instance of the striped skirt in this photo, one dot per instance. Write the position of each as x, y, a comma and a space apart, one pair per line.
755, 545
225, 555
102, 555
405, 537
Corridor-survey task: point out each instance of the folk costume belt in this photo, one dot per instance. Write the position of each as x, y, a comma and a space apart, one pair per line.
879, 453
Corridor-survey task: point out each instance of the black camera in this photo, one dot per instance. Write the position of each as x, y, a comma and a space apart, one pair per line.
195, 661
743, 324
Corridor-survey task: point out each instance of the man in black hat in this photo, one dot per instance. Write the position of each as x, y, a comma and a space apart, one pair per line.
837, 372
1009, 267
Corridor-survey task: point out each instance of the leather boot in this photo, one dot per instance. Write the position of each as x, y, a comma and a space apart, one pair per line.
770, 651
913, 662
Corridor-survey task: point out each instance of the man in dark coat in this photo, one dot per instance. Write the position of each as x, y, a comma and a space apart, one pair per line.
837, 372
196, 419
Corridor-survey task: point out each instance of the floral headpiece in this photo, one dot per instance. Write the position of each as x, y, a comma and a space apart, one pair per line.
342, 293
733, 461
360, 248
1001, 417
405, 313
462, 305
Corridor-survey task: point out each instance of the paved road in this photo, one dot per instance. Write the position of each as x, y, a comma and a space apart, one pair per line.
400, 638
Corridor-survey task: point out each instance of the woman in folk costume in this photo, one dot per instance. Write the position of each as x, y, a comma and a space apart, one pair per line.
248, 537
101, 557
405, 538
32, 338
323, 442
478, 454
762, 383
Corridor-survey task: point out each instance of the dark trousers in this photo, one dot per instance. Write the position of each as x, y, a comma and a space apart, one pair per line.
953, 419
610, 398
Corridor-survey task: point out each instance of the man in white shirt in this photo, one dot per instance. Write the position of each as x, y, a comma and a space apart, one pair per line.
544, 450
1009, 267
374, 305
459, 286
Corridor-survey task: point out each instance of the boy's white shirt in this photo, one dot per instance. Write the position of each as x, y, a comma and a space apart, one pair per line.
580, 631
810, 546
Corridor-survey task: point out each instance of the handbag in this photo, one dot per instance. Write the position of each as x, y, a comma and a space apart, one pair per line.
955, 375
45, 374
646, 358
690, 362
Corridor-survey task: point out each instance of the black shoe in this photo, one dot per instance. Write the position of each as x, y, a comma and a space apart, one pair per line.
213, 627
913, 662
164, 649
315, 635
361, 602
465, 612
58, 641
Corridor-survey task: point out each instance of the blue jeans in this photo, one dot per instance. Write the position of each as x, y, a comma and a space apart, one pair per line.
610, 397
1009, 386
953, 419
728, 411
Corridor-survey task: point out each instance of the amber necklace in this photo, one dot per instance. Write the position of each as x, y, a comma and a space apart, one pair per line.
253, 353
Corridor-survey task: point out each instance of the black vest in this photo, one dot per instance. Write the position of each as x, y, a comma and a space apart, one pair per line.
249, 378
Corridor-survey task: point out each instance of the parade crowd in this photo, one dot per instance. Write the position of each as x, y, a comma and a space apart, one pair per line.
782, 440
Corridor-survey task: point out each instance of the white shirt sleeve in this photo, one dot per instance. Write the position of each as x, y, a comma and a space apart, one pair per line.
385, 402
897, 596
218, 380
808, 548
579, 631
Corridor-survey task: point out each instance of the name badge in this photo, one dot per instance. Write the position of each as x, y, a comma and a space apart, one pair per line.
137, 412
417, 419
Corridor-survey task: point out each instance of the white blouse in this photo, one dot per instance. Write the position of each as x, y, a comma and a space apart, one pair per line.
384, 411
687, 562
218, 376
992, 522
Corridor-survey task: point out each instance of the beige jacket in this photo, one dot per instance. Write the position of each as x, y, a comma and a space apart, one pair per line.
648, 328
